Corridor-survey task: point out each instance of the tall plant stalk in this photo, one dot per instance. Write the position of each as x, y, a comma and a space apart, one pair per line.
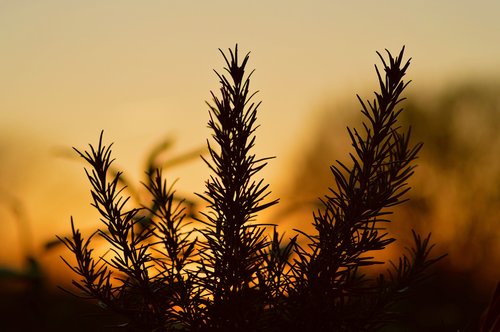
330, 291
231, 253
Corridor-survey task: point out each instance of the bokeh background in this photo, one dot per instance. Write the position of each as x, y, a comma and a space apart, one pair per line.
142, 71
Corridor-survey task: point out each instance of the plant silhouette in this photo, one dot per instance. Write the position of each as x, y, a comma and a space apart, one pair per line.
230, 273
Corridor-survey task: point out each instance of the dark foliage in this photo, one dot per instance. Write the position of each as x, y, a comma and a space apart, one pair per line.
151, 292
229, 274
231, 253
330, 290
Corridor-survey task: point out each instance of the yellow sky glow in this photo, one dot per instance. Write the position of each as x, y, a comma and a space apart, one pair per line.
140, 72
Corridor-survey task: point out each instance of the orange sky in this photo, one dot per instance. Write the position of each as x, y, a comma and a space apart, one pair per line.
69, 69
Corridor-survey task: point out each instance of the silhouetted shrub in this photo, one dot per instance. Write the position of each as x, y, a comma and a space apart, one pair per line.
228, 273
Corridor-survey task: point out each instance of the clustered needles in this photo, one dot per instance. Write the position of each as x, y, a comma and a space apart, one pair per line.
231, 273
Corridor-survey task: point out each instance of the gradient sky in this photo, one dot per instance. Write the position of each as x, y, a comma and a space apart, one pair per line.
141, 71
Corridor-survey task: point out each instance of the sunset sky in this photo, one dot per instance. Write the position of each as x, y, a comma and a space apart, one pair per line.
142, 71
